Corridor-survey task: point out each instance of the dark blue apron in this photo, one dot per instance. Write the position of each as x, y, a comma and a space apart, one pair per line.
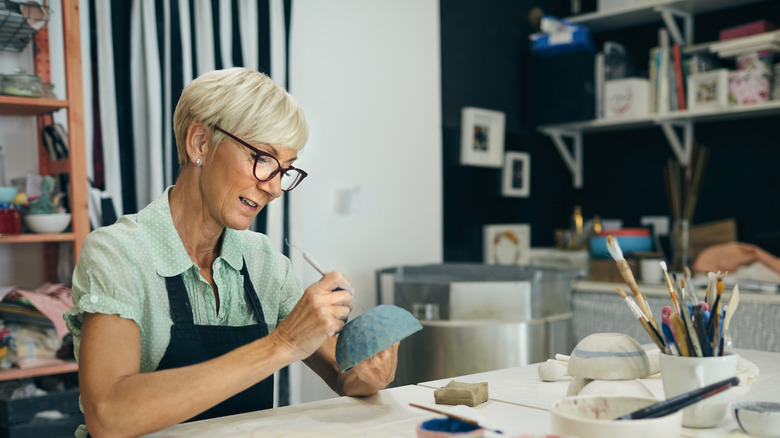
191, 344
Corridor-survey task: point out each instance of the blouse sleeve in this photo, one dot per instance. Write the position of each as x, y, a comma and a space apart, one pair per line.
103, 283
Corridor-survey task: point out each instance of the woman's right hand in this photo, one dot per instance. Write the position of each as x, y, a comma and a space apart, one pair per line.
321, 312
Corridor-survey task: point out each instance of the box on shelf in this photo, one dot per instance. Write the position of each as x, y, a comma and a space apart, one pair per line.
747, 87
760, 60
19, 416
560, 258
556, 43
606, 270
626, 98
743, 30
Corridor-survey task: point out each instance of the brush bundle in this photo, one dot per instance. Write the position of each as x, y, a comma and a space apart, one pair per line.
689, 327
683, 184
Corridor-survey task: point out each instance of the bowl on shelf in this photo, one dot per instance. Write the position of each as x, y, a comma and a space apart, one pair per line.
629, 239
761, 419
593, 416
7, 194
47, 223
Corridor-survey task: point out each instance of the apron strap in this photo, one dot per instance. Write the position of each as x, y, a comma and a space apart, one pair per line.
179, 301
252, 294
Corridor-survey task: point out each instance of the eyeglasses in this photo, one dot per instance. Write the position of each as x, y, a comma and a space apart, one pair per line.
266, 166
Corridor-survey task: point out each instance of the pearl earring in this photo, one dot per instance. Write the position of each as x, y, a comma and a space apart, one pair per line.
197, 162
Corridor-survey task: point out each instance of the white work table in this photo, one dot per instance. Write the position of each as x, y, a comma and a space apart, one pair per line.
518, 405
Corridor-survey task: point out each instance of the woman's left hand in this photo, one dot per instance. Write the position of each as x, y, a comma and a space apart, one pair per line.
371, 375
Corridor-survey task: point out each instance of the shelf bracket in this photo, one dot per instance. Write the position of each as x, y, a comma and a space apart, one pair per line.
682, 149
572, 159
669, 15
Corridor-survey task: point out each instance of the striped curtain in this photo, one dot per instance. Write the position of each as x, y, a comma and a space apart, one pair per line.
141, 55
143, 52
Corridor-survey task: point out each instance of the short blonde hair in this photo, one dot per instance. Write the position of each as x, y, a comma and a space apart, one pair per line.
246, 103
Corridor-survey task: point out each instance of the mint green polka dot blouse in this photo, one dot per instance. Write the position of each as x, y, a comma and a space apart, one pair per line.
122, 268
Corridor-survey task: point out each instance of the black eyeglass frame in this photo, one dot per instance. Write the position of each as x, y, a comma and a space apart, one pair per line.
260, 153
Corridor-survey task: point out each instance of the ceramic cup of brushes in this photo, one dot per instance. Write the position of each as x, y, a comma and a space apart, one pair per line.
681, 374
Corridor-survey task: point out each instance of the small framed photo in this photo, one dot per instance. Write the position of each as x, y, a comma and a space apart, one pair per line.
507, 244
517, 175
708, 90
482, 137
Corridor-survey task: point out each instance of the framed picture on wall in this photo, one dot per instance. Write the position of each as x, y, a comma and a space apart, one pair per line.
516, 178
507, 244
708, 90
482, 137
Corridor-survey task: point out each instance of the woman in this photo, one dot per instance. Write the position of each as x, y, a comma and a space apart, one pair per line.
182, 313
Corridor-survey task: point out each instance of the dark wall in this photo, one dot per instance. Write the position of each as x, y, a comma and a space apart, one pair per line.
486, 63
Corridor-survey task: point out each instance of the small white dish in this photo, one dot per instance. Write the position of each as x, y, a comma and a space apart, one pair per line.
760, 419
48, 223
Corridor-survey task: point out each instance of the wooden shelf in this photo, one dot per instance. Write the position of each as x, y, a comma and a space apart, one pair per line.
677, 126
766, 109
29, 106
646, 12
37, 238
61, 368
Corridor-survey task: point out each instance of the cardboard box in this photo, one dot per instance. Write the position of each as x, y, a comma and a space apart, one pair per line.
606, 270
626, 98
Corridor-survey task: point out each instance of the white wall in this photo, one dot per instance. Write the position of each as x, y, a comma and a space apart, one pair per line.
367, 74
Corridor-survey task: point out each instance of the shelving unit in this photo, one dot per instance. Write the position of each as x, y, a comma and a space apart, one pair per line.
677, 126
61, 368
74, 165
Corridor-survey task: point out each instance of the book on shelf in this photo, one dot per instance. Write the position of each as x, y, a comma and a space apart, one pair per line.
662, 90
679, 77
20, 314
674, 99
653, 78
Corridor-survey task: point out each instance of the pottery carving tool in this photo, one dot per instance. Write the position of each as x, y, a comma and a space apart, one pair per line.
628, 277
455, 417
314, 264
731, 307
723, 332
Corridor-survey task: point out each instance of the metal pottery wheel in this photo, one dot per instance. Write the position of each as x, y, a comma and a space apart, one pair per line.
372, 332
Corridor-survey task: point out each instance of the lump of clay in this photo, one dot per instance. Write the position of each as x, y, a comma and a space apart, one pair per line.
459, 393
609, 356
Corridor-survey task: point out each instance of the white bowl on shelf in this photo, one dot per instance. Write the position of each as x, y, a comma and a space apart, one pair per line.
47, 223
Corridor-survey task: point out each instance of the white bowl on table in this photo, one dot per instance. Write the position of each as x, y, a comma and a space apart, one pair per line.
761, 419
47, 223
593, 416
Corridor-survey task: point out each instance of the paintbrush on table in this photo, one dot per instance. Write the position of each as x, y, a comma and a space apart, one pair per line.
628, 277
455, 417
681, 401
